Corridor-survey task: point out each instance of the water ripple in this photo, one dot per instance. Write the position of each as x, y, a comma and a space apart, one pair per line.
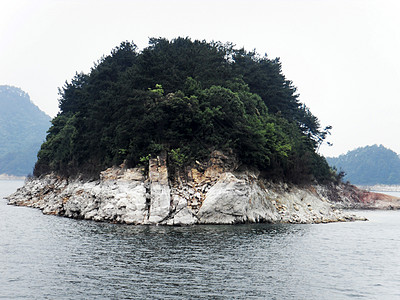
48, 257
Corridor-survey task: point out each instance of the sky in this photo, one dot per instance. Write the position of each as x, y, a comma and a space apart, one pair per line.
342, 55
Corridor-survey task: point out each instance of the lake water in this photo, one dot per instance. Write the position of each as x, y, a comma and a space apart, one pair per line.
49, 257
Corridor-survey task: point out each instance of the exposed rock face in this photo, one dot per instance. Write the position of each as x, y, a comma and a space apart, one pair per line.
159, 190
350, 196
211, 194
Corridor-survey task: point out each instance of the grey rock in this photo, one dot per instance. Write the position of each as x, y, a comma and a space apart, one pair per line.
126, 196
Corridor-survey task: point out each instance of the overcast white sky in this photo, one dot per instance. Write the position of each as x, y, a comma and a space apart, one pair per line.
342, 55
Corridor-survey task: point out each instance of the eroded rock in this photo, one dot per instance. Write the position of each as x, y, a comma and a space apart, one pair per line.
212, 194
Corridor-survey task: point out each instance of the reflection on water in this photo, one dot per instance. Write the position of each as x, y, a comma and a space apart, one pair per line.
50, 257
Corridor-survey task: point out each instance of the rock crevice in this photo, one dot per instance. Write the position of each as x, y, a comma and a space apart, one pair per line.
213, 193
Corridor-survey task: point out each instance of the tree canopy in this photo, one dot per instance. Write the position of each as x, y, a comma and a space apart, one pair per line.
369, 165
186, 97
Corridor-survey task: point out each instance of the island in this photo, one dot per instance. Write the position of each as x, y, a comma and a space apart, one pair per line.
368, 166
23, 128
186, 132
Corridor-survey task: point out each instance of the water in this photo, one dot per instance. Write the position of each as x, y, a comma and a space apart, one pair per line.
49, 257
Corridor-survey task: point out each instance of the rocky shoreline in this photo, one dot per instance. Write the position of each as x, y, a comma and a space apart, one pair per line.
212, 194
352, 197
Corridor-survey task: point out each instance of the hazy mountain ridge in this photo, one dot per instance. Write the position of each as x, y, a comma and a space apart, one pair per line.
23, 128
369, 165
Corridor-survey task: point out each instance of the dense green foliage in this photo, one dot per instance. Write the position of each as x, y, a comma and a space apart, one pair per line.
187, 98
369, 165
22, 130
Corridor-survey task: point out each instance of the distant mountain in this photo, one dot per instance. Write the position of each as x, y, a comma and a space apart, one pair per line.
23, 128
369, 165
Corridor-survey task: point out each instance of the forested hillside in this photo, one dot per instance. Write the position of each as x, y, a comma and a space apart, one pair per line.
369, 165
187, 98
23, 129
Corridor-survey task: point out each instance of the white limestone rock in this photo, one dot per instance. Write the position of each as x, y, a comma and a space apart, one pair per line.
126, 196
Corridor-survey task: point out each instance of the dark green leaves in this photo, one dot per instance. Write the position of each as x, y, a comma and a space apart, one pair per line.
187, 98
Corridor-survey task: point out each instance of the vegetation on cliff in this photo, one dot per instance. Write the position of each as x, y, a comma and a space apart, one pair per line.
187, 98
22, 130
369, 165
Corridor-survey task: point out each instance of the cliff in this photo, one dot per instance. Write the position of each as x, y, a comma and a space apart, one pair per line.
212, 193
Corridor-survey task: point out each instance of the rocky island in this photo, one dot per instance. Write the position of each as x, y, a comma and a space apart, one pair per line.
186, 132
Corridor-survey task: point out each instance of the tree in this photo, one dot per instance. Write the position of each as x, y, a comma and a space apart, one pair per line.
186, 98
